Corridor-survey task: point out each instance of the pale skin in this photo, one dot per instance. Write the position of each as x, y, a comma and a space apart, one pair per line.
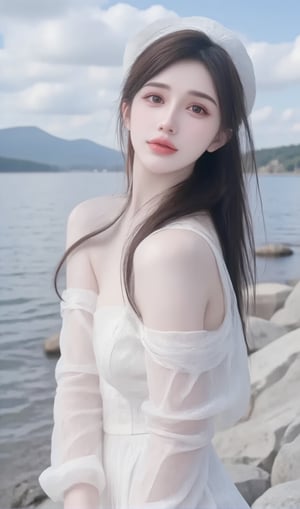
192, 124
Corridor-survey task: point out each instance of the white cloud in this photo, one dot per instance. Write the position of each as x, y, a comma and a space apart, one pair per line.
17, 73
289, 67
60, 68
56, 99
261, 115
31, 10
122, 17
63, 72
288, 113
83, 36
78, 38
296, 127
273, 127
276, 64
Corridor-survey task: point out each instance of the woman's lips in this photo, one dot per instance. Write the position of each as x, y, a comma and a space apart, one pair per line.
161, 149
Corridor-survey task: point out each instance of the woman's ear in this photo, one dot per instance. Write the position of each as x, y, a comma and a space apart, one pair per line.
221, 139
125, 114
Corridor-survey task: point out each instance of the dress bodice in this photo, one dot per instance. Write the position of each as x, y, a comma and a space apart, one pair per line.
120, 340
120, 359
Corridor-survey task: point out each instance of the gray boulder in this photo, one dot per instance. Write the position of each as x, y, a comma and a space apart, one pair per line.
261, 332
278, 404
289, 315
48, 504
251, 481
286, 466
269, 298
269, 364
281, 496
248, 442
274, 250
292, 431
51, 345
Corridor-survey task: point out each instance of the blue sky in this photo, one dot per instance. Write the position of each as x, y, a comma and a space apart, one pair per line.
61, 61
270, 20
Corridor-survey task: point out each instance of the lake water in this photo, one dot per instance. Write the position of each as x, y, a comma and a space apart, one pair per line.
34, 210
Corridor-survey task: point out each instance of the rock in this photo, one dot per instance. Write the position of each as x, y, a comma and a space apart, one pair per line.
274, 250
293, 299
269, 298
286, 318
248, 442
269, 364
25, 495
292, 431
281, 400
49, 504
251, 481
261, 332
286, 465
277, 406
293, 282
281, 496
51, 345
275, 372
289, 315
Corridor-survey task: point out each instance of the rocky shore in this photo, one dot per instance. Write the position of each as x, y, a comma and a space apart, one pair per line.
276, 167
262, 451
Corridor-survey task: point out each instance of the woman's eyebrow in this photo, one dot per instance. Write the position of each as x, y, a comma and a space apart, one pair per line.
190, 92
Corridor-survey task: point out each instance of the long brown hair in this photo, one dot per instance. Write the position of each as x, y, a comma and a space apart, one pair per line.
217, 183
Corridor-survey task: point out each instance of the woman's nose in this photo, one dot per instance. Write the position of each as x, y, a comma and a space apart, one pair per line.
168, 124
166, 127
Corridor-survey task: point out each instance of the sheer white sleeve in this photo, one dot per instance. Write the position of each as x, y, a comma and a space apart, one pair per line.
76, 443
76, 437
187, 373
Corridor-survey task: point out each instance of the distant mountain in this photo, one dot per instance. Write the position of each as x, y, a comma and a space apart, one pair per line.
286, 158
8, 165
34, 144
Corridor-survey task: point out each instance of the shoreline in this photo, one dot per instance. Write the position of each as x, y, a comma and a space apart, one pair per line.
104, 170
289, 173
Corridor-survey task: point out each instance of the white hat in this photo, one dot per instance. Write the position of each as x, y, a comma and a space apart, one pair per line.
217, 33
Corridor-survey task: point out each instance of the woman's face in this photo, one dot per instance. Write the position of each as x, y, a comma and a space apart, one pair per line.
180, 105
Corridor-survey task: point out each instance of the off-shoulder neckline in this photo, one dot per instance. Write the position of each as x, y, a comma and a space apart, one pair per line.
123, 308
126, 307
209, 332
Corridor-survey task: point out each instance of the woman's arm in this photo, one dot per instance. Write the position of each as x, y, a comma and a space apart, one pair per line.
172, 288
81, 496
76, 475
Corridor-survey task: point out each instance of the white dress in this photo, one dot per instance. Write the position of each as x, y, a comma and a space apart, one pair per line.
136, 409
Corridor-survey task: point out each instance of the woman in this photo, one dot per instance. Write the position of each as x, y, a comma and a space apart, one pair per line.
144, 383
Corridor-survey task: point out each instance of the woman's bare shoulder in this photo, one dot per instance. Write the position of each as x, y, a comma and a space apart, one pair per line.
91, 213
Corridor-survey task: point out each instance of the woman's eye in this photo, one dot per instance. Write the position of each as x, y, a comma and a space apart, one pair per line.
155, 97
198, 109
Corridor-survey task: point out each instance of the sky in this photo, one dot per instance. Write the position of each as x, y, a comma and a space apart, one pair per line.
61, 62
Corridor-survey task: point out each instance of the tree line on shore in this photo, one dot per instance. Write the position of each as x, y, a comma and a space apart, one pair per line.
278, 159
